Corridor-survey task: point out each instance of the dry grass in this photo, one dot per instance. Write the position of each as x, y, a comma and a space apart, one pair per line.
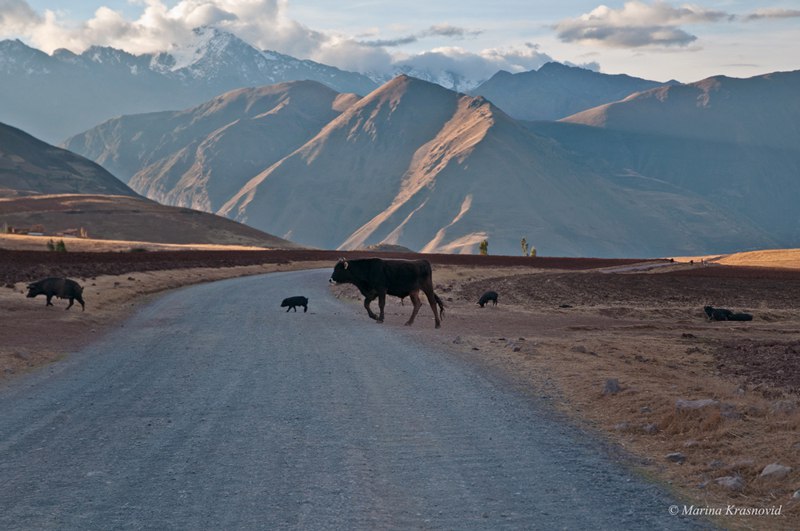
783, 258
19, 242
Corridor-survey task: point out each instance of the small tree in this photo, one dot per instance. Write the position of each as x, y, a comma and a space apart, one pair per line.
61, 247
524, 244
533, 252
51, 245
83, 233
5, 229
484, 247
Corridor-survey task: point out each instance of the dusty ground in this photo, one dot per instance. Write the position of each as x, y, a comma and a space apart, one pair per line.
565, 334
115, 282
32, 335
562, 328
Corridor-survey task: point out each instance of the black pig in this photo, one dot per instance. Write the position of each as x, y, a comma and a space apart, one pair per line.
293, 302
63, 288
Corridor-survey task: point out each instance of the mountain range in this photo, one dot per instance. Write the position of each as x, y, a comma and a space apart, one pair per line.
630, 167
417, 165
55, 96
59, 95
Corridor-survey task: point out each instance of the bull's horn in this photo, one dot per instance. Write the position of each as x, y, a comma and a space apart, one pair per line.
346, 265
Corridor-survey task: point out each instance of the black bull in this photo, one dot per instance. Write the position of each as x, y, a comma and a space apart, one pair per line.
376, 278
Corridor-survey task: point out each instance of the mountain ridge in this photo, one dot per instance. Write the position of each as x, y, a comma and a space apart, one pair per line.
56, 96
556, 90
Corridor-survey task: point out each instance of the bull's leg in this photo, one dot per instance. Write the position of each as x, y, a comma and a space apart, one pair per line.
71, 302
367, 302
381, 304
305, 308
432, 301
83, 305
48, 300
294, 308
288, 308
414, 295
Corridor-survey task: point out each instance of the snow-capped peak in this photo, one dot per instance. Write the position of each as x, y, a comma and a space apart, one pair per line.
206, 40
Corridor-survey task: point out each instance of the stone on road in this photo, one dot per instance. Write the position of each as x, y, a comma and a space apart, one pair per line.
212, 408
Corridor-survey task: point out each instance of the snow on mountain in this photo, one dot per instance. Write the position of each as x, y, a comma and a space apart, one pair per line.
59, 95
445, 78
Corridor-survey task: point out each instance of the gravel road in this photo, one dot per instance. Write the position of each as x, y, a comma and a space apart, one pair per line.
212, 408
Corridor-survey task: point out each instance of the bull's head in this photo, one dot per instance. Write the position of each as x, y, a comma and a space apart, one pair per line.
340, 272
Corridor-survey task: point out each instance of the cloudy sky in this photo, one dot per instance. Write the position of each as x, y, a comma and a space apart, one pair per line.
655, 39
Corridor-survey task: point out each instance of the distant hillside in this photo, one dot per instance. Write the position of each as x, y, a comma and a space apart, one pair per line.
57, 96
131, 218
556, 91
30, 166
202, 156
757, 185
757, 111
733, 142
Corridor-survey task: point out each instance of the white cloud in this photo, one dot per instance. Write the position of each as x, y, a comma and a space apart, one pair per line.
637, 24
159, 27
264, 24
18, 16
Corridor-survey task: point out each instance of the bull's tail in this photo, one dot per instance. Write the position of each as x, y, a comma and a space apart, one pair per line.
441, 305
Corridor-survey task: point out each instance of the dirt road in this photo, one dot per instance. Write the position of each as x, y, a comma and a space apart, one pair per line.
214, 409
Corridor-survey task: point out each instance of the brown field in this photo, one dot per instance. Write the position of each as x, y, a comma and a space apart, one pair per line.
114, 217
562, 328
24, 242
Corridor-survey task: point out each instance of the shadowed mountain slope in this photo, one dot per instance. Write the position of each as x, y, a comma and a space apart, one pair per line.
556, 90
757, 111
30, 166
734, 142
